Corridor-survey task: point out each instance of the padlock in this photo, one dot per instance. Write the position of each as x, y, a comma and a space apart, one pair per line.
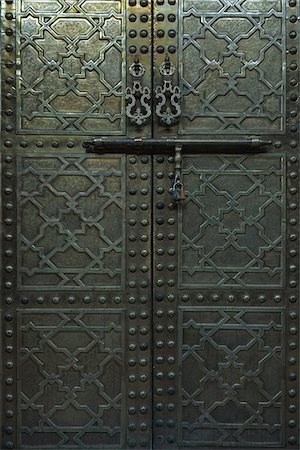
178, 193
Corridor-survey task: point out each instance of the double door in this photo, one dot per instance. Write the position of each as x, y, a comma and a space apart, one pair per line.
150, 245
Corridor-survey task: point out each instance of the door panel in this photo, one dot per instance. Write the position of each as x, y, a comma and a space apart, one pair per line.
131, 320
225, 311
77, 318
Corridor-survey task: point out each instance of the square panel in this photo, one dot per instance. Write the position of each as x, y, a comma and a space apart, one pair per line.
71, 220
232, 225
72, 76
232, 61
235, 396
70, 387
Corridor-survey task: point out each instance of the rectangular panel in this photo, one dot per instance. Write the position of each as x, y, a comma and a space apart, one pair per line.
76, 359
236, 237
71, 222
232, 60
236, 395
71, 77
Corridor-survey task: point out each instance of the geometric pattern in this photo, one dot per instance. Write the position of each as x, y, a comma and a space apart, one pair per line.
233, 59
71, 376
72, 77
235, 397
71, 222
236, 237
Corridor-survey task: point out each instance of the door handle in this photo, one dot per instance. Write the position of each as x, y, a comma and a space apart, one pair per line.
168, 96
137, 97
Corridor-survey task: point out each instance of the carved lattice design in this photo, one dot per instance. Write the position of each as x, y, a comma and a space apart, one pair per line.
232, 54
234, 398
71, 215
232, 224
72, 77
70, 387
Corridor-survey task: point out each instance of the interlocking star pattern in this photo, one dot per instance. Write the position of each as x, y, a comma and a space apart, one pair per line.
75, 359
71, 222
232, 54
235, 397
72, 77
232, 224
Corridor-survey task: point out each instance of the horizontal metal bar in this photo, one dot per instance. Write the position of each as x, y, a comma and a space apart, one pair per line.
129, 144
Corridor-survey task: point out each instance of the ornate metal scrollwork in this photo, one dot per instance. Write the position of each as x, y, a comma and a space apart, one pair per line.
168, 96
138, 98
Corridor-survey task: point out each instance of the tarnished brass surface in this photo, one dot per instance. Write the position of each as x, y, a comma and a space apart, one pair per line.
150, 248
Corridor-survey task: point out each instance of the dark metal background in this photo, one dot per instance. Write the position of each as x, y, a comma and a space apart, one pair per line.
130, 321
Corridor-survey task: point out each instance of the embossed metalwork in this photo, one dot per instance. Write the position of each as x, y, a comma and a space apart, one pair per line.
231, 398
167, 96
232, 58
71, 77
71, 216
237, 235
138, 98
65, 68
72, 356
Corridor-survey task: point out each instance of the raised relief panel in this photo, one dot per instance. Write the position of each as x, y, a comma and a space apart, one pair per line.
71, 76
235, 397
71, 222
237, 235
232, 66
75, 358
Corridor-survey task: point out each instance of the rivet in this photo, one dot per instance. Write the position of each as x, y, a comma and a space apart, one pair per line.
292, 408
292, 440
293, 19
292, 423
292, 376
40, 299
71, 299
9, 444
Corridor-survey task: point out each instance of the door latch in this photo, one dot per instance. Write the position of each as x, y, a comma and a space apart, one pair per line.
177, 190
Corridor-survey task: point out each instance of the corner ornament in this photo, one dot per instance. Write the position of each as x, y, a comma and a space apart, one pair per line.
138, 98
168, 96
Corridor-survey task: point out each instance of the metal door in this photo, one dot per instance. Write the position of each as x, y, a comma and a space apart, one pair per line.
150, 245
